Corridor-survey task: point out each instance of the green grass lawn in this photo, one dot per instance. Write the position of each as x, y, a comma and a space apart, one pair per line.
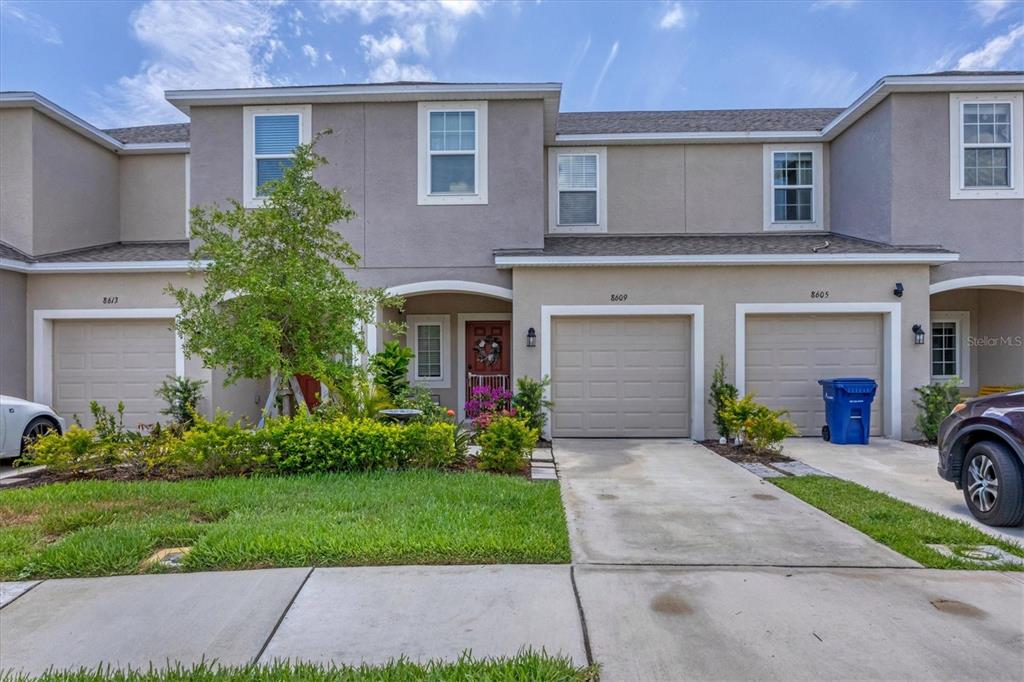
526, 666
91, 528
894, 523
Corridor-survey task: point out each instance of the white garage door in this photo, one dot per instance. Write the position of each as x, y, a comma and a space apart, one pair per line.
620, 377
787, 354
111, 360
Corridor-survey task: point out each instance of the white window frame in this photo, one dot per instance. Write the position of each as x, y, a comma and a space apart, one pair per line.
957, 100
249, 114
423, 153
412, 323
962, 320
602, 190
817, 221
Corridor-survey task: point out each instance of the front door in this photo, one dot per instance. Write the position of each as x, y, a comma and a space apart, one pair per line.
310, 390
488, 356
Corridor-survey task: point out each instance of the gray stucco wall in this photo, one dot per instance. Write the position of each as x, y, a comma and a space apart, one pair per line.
861, 178
988, 233
372, 157
16, 178
75, 182
152, 197
724, 188
13, 337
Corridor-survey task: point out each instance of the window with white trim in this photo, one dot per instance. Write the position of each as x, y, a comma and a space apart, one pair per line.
271, 135
428, 338
793, 187
949, 351
985, 146
577, 189
452, 153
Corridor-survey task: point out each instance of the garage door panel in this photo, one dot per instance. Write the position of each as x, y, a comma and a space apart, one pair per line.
110, 361
634, 378
787, 354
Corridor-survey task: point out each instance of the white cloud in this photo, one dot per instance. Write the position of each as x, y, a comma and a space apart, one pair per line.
612, 54
411, 32
992, 54
828, 4
989, 10
312, 55
193, 45
675, 16
34, 24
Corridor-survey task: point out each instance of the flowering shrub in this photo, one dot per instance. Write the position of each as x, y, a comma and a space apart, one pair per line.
485, 403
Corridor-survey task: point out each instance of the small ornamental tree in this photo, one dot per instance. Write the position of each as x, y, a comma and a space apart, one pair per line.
276, 300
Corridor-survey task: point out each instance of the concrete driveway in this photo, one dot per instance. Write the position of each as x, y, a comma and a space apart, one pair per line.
675, 502
903, 470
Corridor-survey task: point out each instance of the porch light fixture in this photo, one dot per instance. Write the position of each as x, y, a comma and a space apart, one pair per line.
531, 338
918, 334
898, 291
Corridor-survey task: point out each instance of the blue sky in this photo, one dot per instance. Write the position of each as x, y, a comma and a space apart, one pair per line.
109, 62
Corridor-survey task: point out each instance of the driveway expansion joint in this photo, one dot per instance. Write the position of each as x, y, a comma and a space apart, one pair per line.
583, 616
284, 613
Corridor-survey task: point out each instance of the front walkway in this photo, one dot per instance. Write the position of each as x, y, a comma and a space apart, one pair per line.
903, 470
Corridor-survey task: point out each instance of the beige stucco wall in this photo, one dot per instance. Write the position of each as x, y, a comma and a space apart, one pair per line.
16, 178
451, 305
718, 289
997, 329
75, 182
12, 334
724, 188
152, 196
646, 191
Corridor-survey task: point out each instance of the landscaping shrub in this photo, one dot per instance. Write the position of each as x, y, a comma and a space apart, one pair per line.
765, 430
391, 368
530, 402
73, 452
506, 444
420, 398
356, 398
182, 396
430, 446
485, 403
936, 402
736, 412
721, 393
216, 446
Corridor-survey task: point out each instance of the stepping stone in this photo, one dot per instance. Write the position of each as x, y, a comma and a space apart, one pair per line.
12, 590
11, 481
979, 554
543, 455
762, 470
542, 465
543, 475
799, 469
19, 472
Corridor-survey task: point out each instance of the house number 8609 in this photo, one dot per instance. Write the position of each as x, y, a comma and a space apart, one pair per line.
617, 298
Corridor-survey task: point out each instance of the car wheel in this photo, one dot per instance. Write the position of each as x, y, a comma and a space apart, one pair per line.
993, 484
39, 426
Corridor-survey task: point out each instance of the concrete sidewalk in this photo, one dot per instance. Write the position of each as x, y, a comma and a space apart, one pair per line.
903, 470
346, 615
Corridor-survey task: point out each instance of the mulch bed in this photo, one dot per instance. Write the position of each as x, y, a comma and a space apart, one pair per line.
743, 453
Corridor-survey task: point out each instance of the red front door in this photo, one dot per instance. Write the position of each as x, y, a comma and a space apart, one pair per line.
487, 349
310, 390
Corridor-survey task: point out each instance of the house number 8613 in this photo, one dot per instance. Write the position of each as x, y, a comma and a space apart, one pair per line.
109, 300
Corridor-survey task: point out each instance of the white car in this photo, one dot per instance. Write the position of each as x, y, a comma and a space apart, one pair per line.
22, 421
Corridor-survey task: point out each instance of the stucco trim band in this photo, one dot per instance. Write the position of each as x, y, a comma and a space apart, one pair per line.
977, 281
734, 259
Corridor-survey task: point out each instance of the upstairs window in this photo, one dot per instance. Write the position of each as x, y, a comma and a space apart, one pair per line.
577, 189
793, 187
277, 136
271, 135
793, 183
985, 148
452, 153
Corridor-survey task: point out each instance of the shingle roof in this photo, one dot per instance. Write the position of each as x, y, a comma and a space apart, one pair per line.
711, 245
166, 132
115, 252
697, 121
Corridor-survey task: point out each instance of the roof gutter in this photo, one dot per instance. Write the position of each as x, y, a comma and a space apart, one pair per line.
89, 267
922, 258
35, 101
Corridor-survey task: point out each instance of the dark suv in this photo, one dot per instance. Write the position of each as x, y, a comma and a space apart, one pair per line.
981, 450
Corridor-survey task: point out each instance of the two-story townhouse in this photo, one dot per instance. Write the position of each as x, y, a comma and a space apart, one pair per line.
620, 253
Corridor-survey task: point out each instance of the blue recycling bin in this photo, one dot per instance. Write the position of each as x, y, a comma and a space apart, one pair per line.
847, 409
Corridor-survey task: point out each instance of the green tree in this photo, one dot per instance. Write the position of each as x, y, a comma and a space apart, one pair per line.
391, 368
722, 393
275, 299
